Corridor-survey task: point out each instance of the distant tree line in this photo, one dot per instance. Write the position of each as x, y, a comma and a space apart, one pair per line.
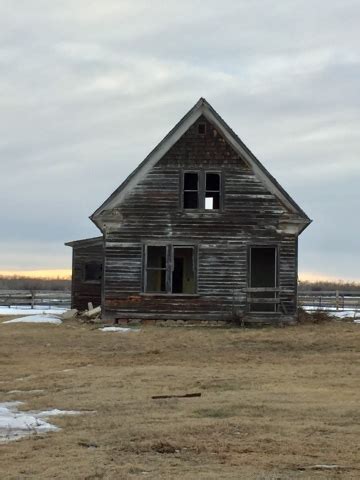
17, 282
321, 286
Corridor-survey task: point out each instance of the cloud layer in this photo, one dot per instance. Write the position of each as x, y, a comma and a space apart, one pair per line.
89, 88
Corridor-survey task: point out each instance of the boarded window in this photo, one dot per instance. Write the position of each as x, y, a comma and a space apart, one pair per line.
156, 269
183, 275
93, 272
191, 190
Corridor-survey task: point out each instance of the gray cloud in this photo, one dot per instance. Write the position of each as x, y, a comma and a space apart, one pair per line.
89, 88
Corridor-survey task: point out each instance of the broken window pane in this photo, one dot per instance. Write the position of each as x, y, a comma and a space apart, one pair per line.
156, 269
183, 277
191, 190
212, 193
191, 181
213, 181
212, 200
156, 281
156, 257
191, 199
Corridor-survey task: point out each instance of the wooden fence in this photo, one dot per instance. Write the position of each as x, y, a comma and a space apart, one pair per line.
327, 300
33, 299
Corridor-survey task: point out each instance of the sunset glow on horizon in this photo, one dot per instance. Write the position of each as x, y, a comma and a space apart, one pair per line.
51, 273
65, 273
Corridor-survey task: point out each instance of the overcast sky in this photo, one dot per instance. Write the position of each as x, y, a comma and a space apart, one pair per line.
88, 88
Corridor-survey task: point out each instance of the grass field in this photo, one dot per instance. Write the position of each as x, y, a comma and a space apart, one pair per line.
274, 402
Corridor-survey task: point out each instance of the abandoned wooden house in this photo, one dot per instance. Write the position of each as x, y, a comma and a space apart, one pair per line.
199, 231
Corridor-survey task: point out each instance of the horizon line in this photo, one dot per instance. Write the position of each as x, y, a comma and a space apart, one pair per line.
65, 274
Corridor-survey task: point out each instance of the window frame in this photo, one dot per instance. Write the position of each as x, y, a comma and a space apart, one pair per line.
199, 189
146, 268
98, 264
202, 190
170, 247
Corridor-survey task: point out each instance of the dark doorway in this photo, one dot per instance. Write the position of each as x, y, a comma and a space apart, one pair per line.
263, 273
178, 274
183, 276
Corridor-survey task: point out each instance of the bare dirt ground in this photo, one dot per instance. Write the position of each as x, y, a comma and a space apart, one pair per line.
274, 402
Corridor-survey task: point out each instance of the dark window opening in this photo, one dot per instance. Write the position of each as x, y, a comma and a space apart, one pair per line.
263, 274
170, 269
201, 128
202, 190
183, 275
191, 190
212, 181
156, 269
212, 191
93, 272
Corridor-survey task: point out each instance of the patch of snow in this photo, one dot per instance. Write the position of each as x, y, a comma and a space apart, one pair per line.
36, 319
118, 329
57, 412
345, 313
327, 309
15, 424
14, 310
25, 391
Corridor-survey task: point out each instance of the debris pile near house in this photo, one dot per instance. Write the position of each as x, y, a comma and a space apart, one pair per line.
91, 315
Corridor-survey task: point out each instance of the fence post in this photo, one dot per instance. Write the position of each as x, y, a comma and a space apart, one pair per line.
32, 299
337, 299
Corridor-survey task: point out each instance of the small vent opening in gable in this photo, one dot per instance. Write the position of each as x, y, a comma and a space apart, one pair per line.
201, 128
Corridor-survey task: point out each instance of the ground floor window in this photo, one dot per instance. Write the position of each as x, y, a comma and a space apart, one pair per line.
170, 269
263, 278
92, 272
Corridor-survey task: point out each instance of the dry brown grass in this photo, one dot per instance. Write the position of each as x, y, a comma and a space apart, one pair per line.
273, 400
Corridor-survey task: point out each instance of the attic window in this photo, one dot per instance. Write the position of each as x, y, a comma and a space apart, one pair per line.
191, 190
212, 191
202, 190
201, 128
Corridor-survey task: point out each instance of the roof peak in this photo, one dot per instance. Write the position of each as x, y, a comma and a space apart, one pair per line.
202, 107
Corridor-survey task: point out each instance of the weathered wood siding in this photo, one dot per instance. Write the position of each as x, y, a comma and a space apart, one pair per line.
152, 211
83, 292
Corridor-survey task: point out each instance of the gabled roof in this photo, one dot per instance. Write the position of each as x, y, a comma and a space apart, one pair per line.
202, 107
